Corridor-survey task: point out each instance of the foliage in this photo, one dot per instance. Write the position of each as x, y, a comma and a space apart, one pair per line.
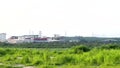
80, 49
110, 46
77, 56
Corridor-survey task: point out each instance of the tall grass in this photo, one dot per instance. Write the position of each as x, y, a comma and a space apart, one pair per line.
46, 58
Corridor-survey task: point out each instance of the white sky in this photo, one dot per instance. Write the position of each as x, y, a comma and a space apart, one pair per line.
75, 17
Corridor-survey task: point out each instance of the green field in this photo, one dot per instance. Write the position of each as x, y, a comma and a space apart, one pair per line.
107, 56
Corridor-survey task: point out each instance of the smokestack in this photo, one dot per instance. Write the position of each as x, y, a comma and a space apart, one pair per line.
40, 34
65, 33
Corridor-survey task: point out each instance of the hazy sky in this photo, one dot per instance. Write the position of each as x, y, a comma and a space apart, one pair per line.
75, 17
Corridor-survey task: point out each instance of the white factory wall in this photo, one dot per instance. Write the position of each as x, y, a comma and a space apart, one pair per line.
2, 37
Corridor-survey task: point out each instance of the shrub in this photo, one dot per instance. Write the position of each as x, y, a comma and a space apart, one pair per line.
110, 46
80, 49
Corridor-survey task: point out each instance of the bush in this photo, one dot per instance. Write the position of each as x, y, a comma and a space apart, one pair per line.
110, 46
80, 49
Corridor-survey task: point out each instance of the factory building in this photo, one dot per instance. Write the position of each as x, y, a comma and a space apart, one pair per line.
2, 37
22, 39
28, 39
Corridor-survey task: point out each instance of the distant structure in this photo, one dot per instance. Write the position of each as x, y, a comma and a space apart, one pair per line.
29, 39
13, 39
22, 39
40, 34
56, 35
39, 38
2, 37
65, 33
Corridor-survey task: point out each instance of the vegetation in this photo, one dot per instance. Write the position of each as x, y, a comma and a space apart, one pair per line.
81, 56
58, 44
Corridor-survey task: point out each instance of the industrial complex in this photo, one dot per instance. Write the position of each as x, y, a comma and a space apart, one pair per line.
34, 39
56, 38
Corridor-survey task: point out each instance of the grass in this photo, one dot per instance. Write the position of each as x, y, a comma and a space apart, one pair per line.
76, 57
